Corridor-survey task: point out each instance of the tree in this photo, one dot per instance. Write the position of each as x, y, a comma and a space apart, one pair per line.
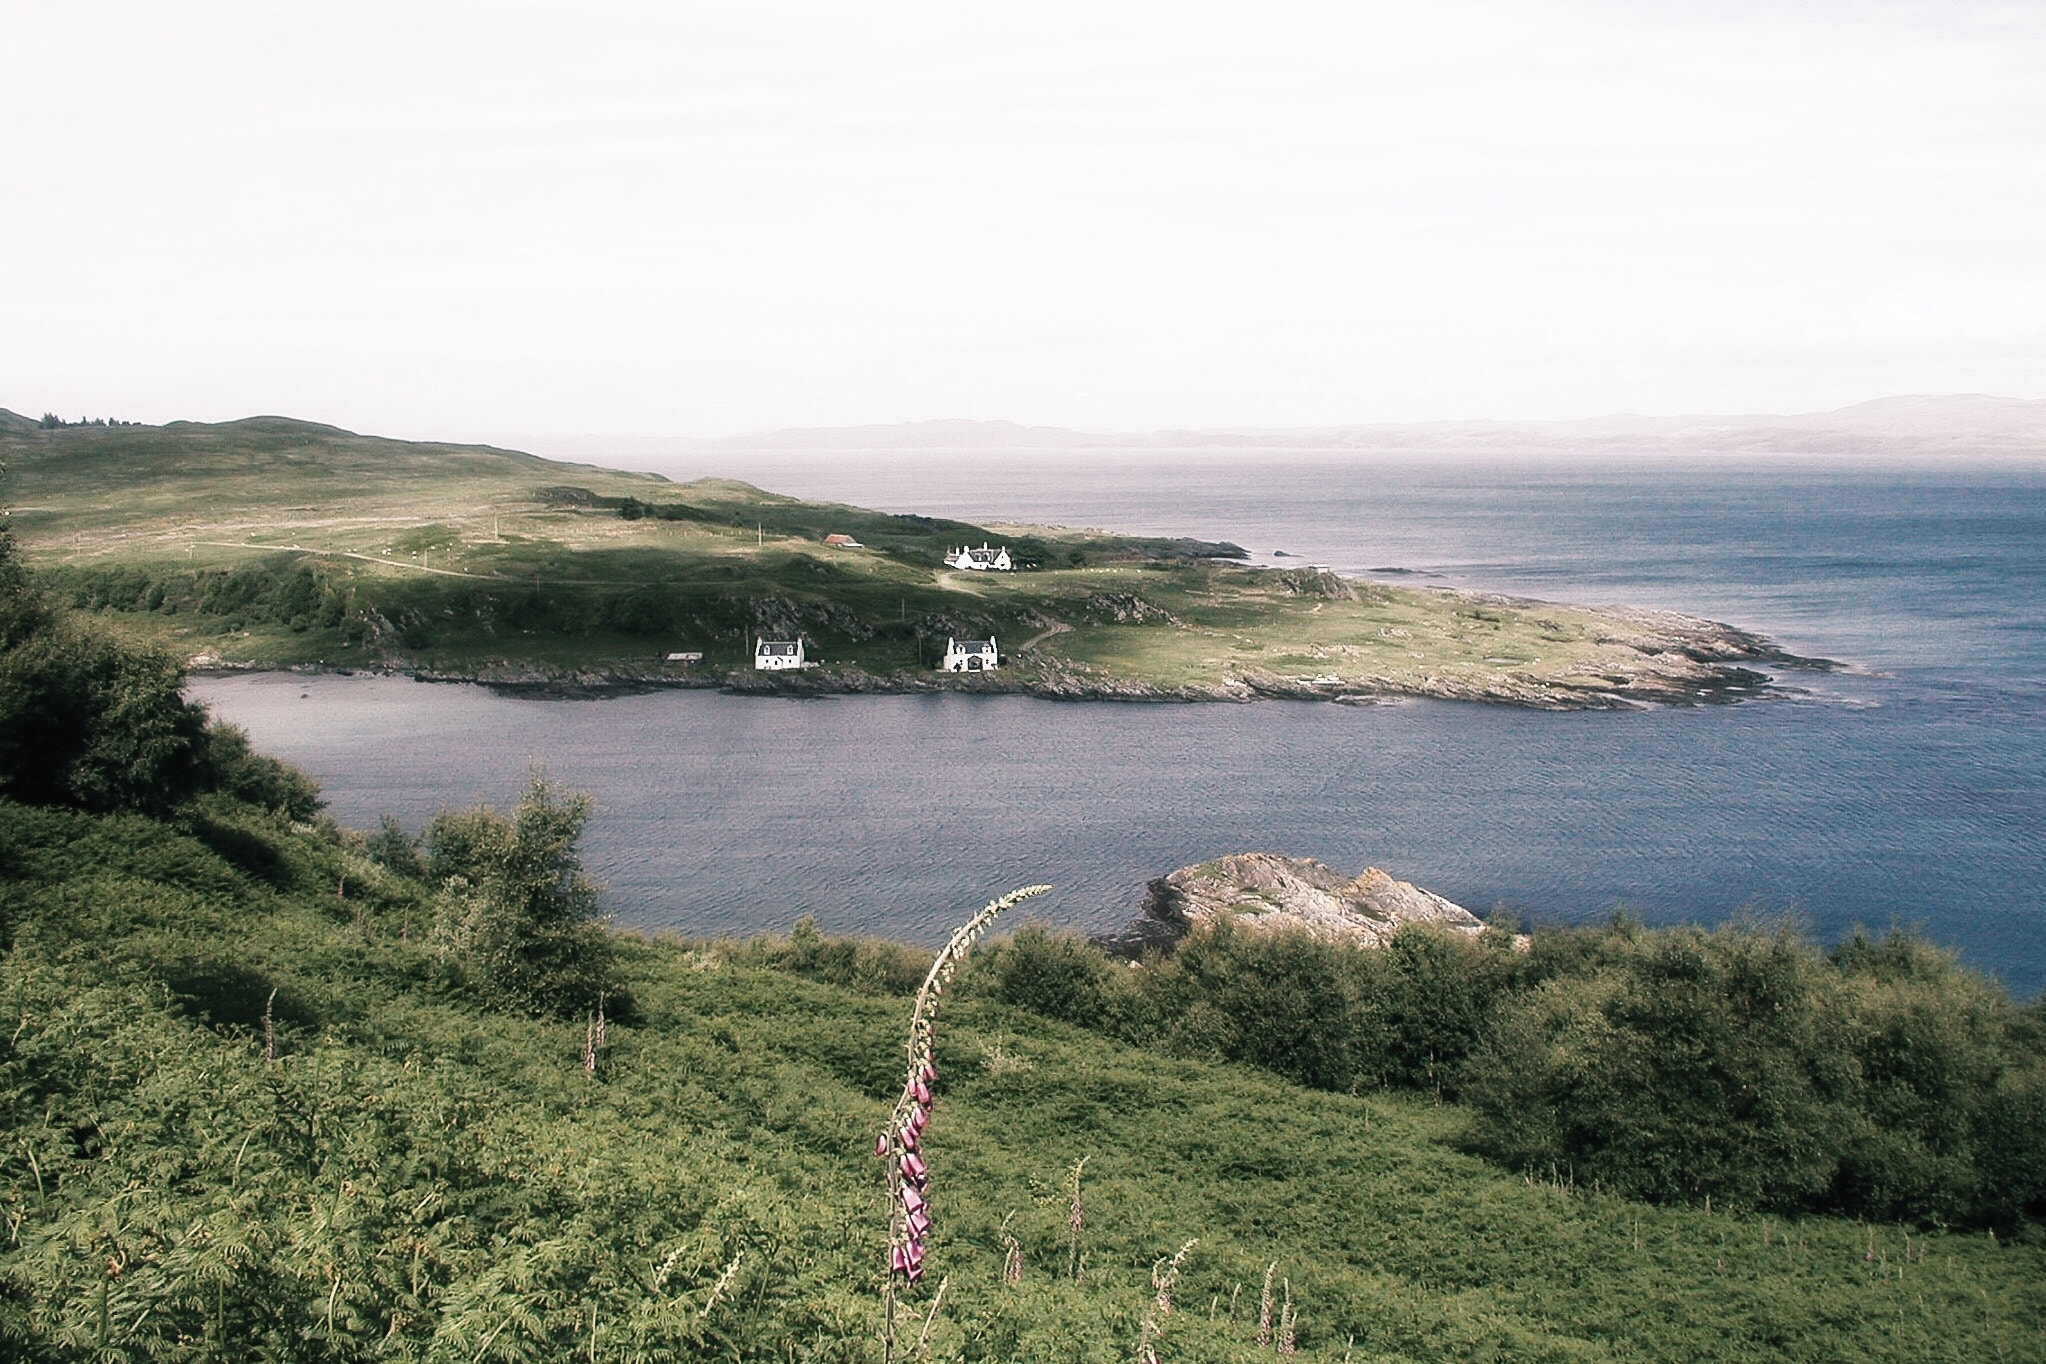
515, 908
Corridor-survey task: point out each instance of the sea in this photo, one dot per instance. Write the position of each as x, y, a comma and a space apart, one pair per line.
1906, 788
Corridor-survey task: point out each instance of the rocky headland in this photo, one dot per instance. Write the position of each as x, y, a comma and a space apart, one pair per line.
1646, 658
1264, 892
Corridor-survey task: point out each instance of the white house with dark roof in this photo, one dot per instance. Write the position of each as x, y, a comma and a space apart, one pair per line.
773, 655
969, 656
980, 560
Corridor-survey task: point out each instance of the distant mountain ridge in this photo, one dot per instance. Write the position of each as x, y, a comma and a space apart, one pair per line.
1917, 425
1953, 424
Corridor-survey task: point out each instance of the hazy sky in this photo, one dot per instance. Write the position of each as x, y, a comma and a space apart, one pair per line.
491, 220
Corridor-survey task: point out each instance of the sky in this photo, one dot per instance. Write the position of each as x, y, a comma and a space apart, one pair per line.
514, 219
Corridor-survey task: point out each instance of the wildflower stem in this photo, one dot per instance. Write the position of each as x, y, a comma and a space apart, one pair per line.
908, 1217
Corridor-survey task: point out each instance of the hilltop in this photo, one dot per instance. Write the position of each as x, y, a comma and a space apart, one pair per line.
273, 543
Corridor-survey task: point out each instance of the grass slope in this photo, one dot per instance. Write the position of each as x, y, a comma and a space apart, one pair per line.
270, 542
422, 1175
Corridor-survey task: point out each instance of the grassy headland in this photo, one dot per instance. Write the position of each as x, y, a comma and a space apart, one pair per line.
276, 543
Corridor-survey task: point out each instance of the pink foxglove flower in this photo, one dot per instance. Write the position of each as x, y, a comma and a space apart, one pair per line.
908, 1175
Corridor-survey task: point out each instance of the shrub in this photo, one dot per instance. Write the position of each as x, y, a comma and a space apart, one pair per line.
1692, 1065
1060, 977
87, 722
1286, 1001
396, 851
1930, 1044
870, 965
235, 769
1434, 995
515, 908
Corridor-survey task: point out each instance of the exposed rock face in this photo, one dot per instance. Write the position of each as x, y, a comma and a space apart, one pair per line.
1266, 891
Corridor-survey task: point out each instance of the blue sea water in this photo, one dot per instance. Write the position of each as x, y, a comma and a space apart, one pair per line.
1909, 788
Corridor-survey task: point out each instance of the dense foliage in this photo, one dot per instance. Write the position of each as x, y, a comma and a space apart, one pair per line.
97, 725
1741, 1065
515, 907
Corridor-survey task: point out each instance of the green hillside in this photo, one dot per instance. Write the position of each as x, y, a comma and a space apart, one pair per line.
421, 1174
272, 543
277, 1090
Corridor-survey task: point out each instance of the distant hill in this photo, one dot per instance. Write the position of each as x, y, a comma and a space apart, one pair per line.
1956, 424
254, 460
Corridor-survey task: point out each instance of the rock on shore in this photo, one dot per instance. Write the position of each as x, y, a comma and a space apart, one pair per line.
1264, 891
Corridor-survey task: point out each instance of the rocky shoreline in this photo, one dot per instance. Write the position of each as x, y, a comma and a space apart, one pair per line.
1681, 661
1648, 657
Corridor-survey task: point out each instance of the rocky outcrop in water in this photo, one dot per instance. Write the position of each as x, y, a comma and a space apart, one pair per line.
1263, 891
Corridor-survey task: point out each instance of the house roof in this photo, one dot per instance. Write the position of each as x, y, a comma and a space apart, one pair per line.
971, 646
777, 646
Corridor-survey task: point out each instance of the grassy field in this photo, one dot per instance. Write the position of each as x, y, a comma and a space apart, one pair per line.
420, 1174
271, 542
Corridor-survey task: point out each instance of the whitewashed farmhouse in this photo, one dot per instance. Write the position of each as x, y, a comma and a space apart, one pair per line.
969, 656
773, 655
980, 560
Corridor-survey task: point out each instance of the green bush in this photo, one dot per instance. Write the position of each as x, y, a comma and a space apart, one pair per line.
87, 722
1750, 1068
515, 908
1927, 1041
235, 769
1282, 1000
1434, 996
1057, 976
871, 965
1741, 1065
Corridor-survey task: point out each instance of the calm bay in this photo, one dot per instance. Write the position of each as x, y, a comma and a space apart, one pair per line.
1908, 789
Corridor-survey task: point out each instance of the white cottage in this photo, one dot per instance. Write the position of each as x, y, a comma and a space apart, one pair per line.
969, 656
980, 560
773, 655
